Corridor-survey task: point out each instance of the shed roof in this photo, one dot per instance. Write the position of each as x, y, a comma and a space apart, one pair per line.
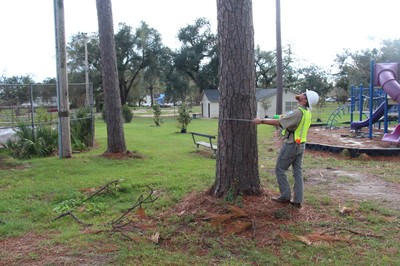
211, 94
264, 93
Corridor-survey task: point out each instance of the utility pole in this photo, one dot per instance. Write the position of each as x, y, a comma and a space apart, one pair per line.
279, 67
64, 134
86, 70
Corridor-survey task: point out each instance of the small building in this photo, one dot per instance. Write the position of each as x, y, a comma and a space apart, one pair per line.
209, 103
266, 102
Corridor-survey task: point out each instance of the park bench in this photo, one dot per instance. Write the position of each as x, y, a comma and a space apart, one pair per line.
208, 144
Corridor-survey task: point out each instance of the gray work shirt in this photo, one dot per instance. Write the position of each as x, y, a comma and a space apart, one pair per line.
290, 121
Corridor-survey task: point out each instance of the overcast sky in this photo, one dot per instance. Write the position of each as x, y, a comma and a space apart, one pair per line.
316, 29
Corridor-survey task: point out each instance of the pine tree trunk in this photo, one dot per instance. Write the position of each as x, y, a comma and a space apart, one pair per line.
237, 159
112, 99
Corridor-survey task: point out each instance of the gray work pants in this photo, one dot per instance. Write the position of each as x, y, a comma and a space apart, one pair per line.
290, 155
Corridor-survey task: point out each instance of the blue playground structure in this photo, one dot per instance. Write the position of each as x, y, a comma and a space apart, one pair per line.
372, 104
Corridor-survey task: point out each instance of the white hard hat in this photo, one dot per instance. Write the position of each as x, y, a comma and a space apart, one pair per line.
312, 98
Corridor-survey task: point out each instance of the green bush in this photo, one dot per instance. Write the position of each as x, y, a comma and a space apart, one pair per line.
157, 114
127, 113
81, 129
183, 118
43, 116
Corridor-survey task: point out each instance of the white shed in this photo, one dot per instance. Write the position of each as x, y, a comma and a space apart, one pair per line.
266, 102
210, 103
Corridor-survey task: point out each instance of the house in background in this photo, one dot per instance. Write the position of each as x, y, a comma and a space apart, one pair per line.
209, 103
266, 102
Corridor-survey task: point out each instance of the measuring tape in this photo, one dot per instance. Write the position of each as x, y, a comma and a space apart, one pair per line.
237, 119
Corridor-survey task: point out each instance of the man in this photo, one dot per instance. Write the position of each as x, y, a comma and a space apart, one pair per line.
295, 126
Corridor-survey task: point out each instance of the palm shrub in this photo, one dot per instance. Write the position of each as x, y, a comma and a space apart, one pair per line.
183, 119
81, 129
41, 141
46, 141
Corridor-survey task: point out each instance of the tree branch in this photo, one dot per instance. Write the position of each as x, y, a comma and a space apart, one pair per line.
138, 203
352, 231
72, 215
105, 187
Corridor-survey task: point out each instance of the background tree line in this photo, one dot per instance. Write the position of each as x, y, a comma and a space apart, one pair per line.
146, 66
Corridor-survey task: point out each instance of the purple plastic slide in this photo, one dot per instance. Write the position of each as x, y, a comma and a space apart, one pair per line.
394, 136
385, 76
375, 118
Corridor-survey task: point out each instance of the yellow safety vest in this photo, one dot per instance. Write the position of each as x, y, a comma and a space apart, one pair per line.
300, 134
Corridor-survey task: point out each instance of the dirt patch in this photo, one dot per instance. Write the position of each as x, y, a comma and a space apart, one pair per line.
255, 217
32, 249
355, 186
123, 155
7, 162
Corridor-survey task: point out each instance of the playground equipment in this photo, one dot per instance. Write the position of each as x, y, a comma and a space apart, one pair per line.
373, 103
393, 137
340, 114
385, 76
375, 117
359, 103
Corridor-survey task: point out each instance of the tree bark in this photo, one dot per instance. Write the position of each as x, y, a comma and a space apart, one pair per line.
112, 99
237, 159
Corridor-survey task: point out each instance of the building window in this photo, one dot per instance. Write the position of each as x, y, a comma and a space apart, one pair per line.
290, 106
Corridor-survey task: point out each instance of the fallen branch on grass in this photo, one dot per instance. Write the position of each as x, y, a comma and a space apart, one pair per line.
352, 231
138, 203
234, 222
69, 213
311, 238
105, 188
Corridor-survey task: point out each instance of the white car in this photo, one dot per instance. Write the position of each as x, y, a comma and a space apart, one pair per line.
329, 99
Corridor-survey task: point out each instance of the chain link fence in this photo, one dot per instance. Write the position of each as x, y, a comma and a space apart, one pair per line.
37, 105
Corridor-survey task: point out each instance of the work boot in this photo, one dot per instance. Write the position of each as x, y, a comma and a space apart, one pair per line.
280, 200
296, 204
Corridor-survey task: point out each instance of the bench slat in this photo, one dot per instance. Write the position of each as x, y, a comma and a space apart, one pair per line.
202, 135
208, 144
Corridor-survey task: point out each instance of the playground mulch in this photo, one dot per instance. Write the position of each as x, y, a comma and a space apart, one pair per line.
346, 137
339, 142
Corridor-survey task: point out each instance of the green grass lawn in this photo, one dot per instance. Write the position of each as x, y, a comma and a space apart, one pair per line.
35, 192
